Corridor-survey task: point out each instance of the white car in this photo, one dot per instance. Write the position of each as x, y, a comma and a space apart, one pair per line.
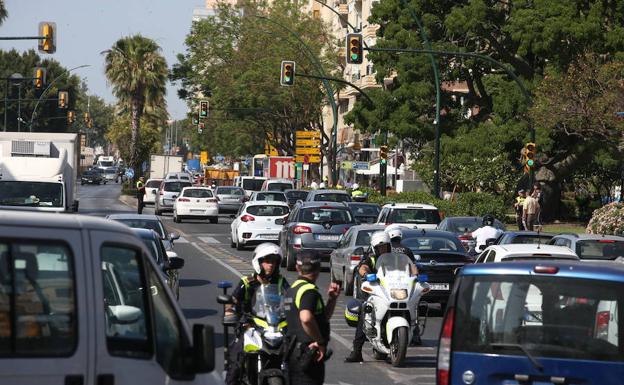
196, 203
414, 215
257, 222
151, 189
514, 252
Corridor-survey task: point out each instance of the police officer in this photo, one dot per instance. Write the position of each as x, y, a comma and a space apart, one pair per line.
487, 231
265, 262
396, 236
308, 322
140, 186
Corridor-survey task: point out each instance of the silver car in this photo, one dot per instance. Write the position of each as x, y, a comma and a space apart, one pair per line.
167, 194
231, 198
349, 252
314, 226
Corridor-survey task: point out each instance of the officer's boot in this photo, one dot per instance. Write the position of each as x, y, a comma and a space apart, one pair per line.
354, 356
416, 341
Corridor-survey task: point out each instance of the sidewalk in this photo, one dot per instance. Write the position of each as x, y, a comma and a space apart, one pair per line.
128, 200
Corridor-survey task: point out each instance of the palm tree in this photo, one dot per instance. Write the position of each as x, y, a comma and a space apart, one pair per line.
3, 11
137, 72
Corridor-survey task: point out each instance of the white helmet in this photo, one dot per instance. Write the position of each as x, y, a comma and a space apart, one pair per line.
355, 186
394, 231
379, 238
262, 251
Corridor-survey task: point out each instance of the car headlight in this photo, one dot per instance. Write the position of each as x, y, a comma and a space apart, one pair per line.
398, 294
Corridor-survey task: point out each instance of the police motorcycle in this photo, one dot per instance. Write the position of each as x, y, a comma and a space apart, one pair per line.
392, 309
263, 332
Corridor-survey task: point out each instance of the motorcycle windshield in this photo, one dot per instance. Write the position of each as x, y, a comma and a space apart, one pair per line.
269, 304
394, 262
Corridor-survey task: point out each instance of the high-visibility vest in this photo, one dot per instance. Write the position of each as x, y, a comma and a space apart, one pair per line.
302, 287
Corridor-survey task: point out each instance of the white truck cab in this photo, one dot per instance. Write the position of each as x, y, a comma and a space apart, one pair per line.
81, 302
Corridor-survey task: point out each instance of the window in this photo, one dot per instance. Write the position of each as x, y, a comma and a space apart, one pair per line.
279, 186
37, 300
383, 216
409, 215
32, 194
168, 330
432, 244
271, 196
229, 191
491, 257
321, 215
332, 197
267, 211
252, 184
145, 224
599, 249
155, 183
127, 322
198, 193
176, 186
363, 237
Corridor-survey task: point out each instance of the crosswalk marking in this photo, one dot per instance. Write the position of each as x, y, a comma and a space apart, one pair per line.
181, 240
208, 240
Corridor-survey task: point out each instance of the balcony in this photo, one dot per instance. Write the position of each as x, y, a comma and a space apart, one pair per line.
370, 31
343, 11
368, 82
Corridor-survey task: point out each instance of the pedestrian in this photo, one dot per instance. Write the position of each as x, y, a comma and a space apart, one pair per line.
518, 205
530, 210
314, 185
308, 322
140, 186
349, 184
540, 201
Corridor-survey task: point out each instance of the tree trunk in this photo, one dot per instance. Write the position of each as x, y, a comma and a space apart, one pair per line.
135, 138
550, 177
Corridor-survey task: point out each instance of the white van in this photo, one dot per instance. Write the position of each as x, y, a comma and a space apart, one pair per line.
81, 302
249, 183
278, 185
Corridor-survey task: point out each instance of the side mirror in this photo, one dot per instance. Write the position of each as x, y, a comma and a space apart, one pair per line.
154, 192
224, 284
279, 221
175, 196
203, 348
124, 314
174, 236
225, 299
175, 262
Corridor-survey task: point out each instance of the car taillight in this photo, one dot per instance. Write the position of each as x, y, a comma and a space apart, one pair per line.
444, 348
602, 324
247, 218
183, 200
546, 269
302, 230
212, 200
356, 257
606, 241
465, 238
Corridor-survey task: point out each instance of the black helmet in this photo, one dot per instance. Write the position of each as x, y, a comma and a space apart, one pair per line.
488, 220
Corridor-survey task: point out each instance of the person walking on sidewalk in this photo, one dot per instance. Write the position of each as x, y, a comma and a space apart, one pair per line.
530, 211
518, 206
140, 186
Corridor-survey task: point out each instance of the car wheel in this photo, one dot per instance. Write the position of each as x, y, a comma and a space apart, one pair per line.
232, 244
214, 220
239, 246
349, 285
290, 262
82, 183
157, 212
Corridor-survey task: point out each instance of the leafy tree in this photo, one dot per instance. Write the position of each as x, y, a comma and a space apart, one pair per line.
120, 134
138, 73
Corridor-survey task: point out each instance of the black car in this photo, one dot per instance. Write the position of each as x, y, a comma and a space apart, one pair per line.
295, 195
463, 228
438, 255
92, 176
364, 212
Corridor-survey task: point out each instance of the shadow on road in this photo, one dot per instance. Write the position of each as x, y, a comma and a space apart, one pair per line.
420, 362
194, 282
198, 313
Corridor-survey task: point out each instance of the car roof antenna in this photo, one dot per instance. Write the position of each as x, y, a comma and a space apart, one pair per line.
539, 239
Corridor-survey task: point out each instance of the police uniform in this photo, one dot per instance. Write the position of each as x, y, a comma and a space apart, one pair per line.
140, 192
244, 294
397, 247
305, 295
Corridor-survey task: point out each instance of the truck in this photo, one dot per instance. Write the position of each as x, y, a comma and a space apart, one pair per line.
105, 162
160, 165
221, 177
280, 167
38, 171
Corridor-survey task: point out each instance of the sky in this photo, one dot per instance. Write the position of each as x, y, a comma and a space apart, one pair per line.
88, 27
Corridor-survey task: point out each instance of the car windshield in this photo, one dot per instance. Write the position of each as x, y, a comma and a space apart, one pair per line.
418, 244
294, 196
267, 210
106, 163
153, 183
229, 191
279, 186
110, 171
33, 194
176, 186
600, 249
415, 215
326, 214
269, 196
252, 184
332, 197
197, 193
144, 224
363, 237
547, 316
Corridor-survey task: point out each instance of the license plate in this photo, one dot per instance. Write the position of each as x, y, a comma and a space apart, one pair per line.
439, 286
197, 211
267, 236
327, 237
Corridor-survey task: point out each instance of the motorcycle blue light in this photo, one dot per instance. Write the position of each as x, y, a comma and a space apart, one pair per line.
423, 277
224, 285
371, 277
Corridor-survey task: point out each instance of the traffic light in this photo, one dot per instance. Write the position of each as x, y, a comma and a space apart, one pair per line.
355, 52
200, 127
90, 123
383, 154
39, 77
63, 99
71, 117
85, 117
196, 119
47, 31
203, 109
529, 157
287, 77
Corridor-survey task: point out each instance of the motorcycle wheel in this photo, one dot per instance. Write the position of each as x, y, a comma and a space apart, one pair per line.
398, 347
275, 381
379, 355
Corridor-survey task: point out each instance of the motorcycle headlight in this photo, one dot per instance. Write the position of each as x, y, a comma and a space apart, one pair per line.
398, 294
273, 339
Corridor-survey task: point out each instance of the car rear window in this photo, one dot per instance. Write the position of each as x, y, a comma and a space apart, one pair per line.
545, 315
528, 239
468, 225
279, 186
418, 244
363, 237
332, 197
365, 210
198, 193
153, 183
176, 186
416, 216
268, 196
267, 210
294, 196
600, 249
252, 184
325, 214
229, 191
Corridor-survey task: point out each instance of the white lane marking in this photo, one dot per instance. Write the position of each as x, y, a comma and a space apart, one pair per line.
208, 240
181, 240
217, 260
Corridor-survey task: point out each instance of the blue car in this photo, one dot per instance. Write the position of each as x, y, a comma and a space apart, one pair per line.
534, 322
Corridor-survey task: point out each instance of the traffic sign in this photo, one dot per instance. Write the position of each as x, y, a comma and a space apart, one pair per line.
308, 142
346, 165
130, 173
308, 151
203, 157
360, 165
311, 159
306, 166
308, 134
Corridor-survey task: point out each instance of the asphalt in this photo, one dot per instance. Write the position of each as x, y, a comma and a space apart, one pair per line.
209, 260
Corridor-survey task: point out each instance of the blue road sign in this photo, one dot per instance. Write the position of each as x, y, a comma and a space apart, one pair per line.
130, 173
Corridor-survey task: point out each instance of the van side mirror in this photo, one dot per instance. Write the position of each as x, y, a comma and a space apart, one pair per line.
203, 348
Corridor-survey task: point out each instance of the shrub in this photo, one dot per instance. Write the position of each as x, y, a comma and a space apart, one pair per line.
128, 189
608, 219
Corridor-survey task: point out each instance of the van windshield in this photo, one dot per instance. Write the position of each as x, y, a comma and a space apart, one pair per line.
547, 316
33, 194
252, 184
279, 186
